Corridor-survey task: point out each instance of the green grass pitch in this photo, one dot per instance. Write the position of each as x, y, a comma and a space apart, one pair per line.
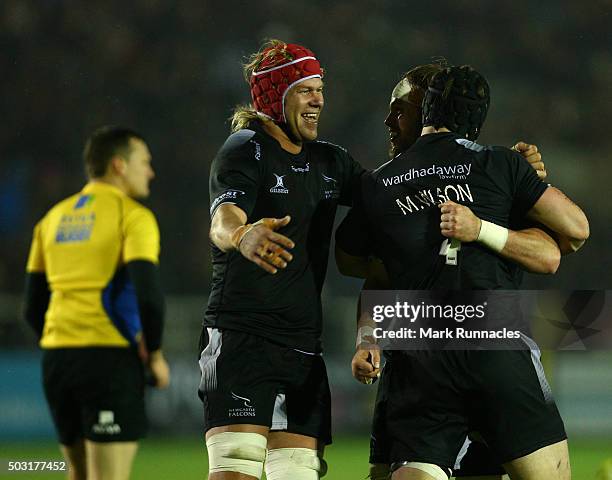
185, 458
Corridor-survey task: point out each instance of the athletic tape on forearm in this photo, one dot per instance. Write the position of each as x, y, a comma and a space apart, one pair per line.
493, 236
362, 332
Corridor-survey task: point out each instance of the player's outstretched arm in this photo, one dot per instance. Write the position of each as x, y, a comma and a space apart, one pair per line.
532, 248
257, 242
557, 212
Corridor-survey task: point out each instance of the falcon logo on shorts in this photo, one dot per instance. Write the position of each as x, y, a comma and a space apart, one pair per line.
246, 411
279, 187
247, 401
106, 424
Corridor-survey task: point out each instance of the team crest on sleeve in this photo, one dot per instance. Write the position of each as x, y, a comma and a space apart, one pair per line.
280, 186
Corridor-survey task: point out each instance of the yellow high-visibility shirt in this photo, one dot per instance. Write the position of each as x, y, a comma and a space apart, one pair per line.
82, 245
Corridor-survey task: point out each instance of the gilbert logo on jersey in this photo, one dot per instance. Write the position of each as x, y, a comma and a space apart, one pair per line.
279, 187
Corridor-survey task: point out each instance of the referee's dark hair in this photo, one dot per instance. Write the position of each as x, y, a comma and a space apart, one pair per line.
104, 144
457, 98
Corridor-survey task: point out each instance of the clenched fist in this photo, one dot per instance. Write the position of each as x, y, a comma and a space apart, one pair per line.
365, 365
531, 154
458, 221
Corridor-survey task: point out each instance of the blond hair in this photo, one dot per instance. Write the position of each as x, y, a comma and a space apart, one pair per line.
242, 117
270, 49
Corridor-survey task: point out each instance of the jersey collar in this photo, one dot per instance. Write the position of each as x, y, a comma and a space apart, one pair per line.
98, 186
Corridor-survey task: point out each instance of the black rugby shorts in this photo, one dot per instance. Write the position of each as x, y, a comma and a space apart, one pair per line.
477, 460
436, 398
95, 393
247, 379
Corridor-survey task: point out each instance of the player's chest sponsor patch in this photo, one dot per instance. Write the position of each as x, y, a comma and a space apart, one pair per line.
74, 228
443, 172
301, 169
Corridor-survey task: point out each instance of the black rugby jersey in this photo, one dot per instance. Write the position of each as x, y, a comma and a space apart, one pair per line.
396, 217
253, 172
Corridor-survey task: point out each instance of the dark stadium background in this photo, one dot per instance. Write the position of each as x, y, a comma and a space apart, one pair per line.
172, 71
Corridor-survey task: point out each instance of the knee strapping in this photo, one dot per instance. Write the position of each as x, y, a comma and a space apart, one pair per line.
431, 469
240, 452
294, 463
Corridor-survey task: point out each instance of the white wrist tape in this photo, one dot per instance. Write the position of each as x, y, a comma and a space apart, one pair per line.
492, 236
362, 332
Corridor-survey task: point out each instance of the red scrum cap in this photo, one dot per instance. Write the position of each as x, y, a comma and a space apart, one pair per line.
282, 67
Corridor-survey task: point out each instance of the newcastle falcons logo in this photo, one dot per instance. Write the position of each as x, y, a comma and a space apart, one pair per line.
329, 179
247, 401
279, 187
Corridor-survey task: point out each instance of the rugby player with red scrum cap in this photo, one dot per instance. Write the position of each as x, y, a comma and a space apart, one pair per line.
274, 190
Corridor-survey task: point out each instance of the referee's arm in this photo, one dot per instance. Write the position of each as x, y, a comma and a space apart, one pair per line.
144, 275
36, 301
145, 278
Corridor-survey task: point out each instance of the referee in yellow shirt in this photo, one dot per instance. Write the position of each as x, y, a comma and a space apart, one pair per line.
93, 296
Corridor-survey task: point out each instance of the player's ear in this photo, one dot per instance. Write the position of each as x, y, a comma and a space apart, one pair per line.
117, 165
